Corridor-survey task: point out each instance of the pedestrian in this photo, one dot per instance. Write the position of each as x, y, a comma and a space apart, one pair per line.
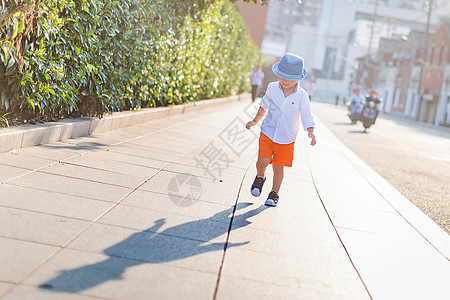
286, 104
256, 80
447, 116
310, 86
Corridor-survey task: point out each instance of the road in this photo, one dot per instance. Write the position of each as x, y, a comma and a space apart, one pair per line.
413, 157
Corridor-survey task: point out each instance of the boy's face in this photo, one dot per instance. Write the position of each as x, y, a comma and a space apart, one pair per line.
287, 84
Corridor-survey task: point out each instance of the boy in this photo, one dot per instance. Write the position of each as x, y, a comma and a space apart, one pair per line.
286, 102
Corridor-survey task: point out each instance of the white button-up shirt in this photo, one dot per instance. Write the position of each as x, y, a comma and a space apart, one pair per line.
284, 113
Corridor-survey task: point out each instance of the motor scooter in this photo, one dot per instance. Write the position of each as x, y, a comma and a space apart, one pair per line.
355, 111
369, 114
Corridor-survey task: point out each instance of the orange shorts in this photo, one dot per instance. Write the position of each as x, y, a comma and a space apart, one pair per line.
279, 154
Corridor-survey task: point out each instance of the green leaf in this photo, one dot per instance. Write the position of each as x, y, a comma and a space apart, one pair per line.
6, 55
90, 32
16, 29
11, 63
31, 102
5, 102
21, 26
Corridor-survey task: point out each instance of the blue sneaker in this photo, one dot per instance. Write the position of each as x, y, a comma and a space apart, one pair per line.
257, 186
272, 200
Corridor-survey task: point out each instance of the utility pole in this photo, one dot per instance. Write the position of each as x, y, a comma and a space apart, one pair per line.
370, 43
373, 27
424, 58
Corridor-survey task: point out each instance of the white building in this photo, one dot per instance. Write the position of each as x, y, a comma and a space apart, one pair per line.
443, 109
331, 34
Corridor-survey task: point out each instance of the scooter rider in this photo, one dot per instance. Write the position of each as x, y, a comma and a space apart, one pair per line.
356, 101
373, 97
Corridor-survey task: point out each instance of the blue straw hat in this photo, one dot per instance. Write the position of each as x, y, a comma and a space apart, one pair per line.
290, 67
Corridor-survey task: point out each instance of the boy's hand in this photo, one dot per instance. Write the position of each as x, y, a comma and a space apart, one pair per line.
312, 136
250, 124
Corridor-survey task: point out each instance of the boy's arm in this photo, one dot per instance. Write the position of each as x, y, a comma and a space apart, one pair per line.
261, 112
307, 119
311, 135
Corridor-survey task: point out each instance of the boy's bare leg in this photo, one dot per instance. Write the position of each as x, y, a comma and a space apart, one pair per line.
261, 166
278, 174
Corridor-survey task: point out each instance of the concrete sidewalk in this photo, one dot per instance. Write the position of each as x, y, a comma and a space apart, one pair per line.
162, 210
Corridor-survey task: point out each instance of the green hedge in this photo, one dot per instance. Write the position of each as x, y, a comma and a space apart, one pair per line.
92, 57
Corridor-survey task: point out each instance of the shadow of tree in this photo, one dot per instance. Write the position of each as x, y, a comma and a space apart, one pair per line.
343, 123
150, 246
357, 131
66, 145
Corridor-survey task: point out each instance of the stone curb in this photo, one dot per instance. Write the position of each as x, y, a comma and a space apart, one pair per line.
423, 224
32, 135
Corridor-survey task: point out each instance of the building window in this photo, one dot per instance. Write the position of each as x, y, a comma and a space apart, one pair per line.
396, 97
431, 55
441, 55
329, 61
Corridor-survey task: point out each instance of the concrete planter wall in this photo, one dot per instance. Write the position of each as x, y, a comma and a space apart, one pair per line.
18, 137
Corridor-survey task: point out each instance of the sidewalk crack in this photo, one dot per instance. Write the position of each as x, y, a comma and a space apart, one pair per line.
228, 233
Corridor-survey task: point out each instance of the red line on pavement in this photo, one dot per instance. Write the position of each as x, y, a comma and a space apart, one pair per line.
337, 233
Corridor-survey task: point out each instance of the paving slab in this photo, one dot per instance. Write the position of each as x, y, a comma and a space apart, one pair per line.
397, 267
206, 230
362, 198
24, 161
206, 171
96, 174
32, 293
4, 287
296, 273
240, 288
72, 186
8, 173
189, 188
118, 162
56, 204
162, 202
94, 142
229, 165
106, 277
19, 258
376, 222
149, 246
38, 227
156, 154
55, 151
415, 217
178, 149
